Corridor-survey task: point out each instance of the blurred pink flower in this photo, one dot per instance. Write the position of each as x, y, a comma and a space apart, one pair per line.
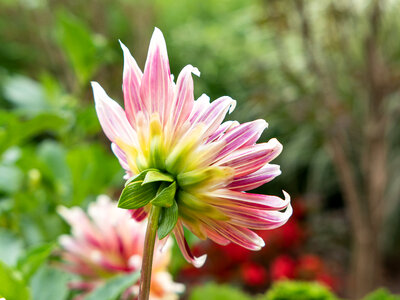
213, 163
107, 241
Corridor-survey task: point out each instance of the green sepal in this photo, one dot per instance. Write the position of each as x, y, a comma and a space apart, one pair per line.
165, 196
140, 176
136, 195
156, 154
193, 203
167, 221
155, 175
206, 176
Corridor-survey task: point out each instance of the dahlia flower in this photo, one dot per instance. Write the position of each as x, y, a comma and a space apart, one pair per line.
107, 242
183, 159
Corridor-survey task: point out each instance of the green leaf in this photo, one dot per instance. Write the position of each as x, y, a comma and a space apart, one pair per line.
136, 195
168, 219
165, 197
10, 179
88, 174
53, 155
11, 247
49, 284
79, 44
29, 263
25, 94
114, 287
153, 176
17, 131
12, 286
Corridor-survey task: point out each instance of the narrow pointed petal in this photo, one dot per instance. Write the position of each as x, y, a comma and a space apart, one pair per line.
256, 218
256, 179
214, 114
249, 159
229, 198
132, 78
112, 118
121, 156
73, 245
79, 222
185, 249
138, 214
215, 237
199, 106
183, 101
236, 234
243, 135
221, 130
156, 89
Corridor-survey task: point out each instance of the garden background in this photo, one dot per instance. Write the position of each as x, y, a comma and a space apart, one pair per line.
324, 74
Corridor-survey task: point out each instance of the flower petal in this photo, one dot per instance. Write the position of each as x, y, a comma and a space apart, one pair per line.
200, 105
185, 249
138, 214
216, 237
241, 236
229, 198
213, 114
112, 118
131, 86
249, 159
80, 223
243, 135
121, 156
156, 89
183, 101
256, 179
256, 218
221, 130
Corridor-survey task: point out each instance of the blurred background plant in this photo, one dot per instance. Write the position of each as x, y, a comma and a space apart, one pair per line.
324, 74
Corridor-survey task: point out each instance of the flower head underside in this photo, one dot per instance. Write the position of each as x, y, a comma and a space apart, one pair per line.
179, 153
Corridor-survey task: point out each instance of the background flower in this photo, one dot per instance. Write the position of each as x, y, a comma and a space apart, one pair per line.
107, 241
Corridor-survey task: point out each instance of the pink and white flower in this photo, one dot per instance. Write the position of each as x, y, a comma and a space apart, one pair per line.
106, 242
214, 163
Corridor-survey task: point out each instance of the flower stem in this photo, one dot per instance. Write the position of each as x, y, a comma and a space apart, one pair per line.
148, 251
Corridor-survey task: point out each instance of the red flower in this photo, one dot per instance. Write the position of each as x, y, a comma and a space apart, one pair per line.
309, 266
283, 267
254, 274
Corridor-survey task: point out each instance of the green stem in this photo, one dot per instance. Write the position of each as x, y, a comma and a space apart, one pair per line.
148, 251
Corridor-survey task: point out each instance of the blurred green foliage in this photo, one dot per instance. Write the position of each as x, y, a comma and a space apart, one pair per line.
296, 290
114, 287
12, 285
213, 291
281, 290
381, 294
